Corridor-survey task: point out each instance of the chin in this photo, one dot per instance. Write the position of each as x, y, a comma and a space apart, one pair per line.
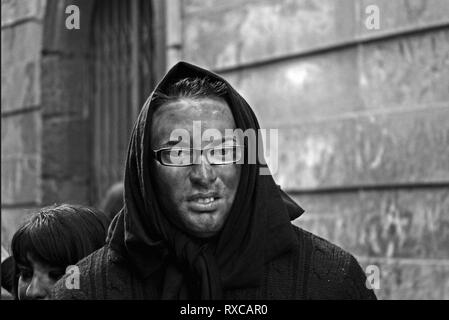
204, 231
202, 225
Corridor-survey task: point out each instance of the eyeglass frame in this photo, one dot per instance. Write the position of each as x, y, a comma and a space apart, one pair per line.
157, 155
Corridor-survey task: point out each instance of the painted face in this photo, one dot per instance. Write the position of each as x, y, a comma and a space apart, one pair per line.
37, 280
196, 198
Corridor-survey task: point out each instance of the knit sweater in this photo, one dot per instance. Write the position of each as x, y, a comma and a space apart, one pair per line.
314, 269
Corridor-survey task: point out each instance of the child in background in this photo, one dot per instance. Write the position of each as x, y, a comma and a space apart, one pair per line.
50, 241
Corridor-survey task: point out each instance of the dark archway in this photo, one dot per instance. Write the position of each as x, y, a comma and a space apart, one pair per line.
125, 59
70, 138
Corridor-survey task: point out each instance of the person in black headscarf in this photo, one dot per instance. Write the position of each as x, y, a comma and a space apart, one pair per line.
200, 223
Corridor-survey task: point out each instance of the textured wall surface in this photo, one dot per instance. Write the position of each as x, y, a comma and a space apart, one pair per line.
363, 120
45, 118
21, 36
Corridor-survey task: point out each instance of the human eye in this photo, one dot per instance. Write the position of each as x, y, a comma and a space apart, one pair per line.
179, 153
25, 272
228, 150
222, 154
56, 274
178, 156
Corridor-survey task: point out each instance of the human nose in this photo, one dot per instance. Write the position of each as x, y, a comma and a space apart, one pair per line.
203, 173
36, 289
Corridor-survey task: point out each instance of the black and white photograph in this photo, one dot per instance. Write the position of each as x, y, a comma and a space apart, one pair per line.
239, 151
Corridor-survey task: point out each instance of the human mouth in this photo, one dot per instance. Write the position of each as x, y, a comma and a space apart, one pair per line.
204, 202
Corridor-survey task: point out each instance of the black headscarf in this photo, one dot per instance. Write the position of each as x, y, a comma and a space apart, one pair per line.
257, 229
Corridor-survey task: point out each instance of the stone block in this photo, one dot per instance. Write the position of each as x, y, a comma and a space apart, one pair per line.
20, 179
408, 72
402, 14
420, 279
222, 35
64, 86
396, 148
21, 66
65, 148
405, 74
301, 90
59, 39
21, 138
239, 32
21, 134
18, 10
401, 223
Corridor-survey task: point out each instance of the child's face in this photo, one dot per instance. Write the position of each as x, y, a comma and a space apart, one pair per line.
36, 280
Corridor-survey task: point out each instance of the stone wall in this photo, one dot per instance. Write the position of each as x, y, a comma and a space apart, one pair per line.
362, 116
45, 115
21, 110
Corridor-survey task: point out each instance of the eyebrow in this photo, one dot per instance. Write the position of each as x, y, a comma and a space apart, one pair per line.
168, 144
172, 143
225, 139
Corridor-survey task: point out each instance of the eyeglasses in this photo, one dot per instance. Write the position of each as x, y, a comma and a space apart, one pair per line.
183, 157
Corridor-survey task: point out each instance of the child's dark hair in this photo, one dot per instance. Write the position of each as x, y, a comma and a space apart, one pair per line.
59, 236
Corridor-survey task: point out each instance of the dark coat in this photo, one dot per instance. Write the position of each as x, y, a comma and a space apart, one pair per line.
315, 269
